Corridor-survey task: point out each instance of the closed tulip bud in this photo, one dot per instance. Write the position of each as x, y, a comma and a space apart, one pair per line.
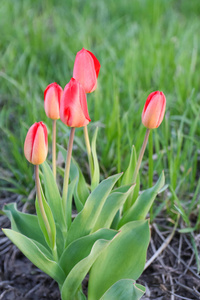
73, 106
86, 70
154, 110
52, 96
36, 144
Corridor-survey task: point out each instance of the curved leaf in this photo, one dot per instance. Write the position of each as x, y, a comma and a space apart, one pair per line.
124, 289
72, 254
78, 273
24, 223
110, 208
50, 241
85, 220
30, 249
124, 258
128, 179
142, 205
52, 195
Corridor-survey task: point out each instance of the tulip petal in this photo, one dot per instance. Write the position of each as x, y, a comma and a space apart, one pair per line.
39, 152
96, 63
154, 110
36, 144
52, 96
86, 70
28, 144
73, 109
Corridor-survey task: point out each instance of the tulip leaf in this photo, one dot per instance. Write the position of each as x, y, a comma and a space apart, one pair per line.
128, 179
72, 254
31, 250
96, 172
124, 258
52, 195
51, 240
110, 208
124, 289
24, 223
142, 205
85, 220
68, 209
81, 191
80, 270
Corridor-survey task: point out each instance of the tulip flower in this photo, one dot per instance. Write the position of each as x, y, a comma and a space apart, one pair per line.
36, 144
152, 116
154, 110
73, 113
73, 107
86, 70
52, 96
35, 150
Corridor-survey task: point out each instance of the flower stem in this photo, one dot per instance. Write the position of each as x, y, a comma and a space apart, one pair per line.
54, 149
42, 211
67, 168
137, 167
151, 159
89, 152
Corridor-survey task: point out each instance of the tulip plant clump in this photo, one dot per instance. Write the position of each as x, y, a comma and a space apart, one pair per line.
109, 236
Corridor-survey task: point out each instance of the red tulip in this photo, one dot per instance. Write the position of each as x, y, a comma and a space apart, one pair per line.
86, 70
73, 107
36, 144
52, 96
154, 110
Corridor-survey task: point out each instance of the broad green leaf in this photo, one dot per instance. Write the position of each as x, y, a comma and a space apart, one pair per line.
96, 172
128, 179
81, 192
25, 224
52, 195
72, 254
110, 208
124, 258
51, 240
30, 249
85, 220
78, 273
124, 289
142, 205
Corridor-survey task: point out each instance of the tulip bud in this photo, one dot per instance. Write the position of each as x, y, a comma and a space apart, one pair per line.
36, 144
154, 110
73, 106
52, 96
86, 70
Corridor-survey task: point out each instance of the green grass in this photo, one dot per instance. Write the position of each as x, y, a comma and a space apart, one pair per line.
142, 45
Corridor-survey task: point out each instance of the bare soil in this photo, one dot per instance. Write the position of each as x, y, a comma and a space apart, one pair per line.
171, 276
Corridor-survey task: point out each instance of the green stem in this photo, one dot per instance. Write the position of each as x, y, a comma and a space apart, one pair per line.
67, 168
137, 167
151, 169
151, 159
89, 152
54, 149
42, 211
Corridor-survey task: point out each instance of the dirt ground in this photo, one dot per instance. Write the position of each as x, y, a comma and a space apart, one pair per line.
171, 276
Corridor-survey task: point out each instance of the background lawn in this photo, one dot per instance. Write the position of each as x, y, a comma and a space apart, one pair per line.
143, 46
